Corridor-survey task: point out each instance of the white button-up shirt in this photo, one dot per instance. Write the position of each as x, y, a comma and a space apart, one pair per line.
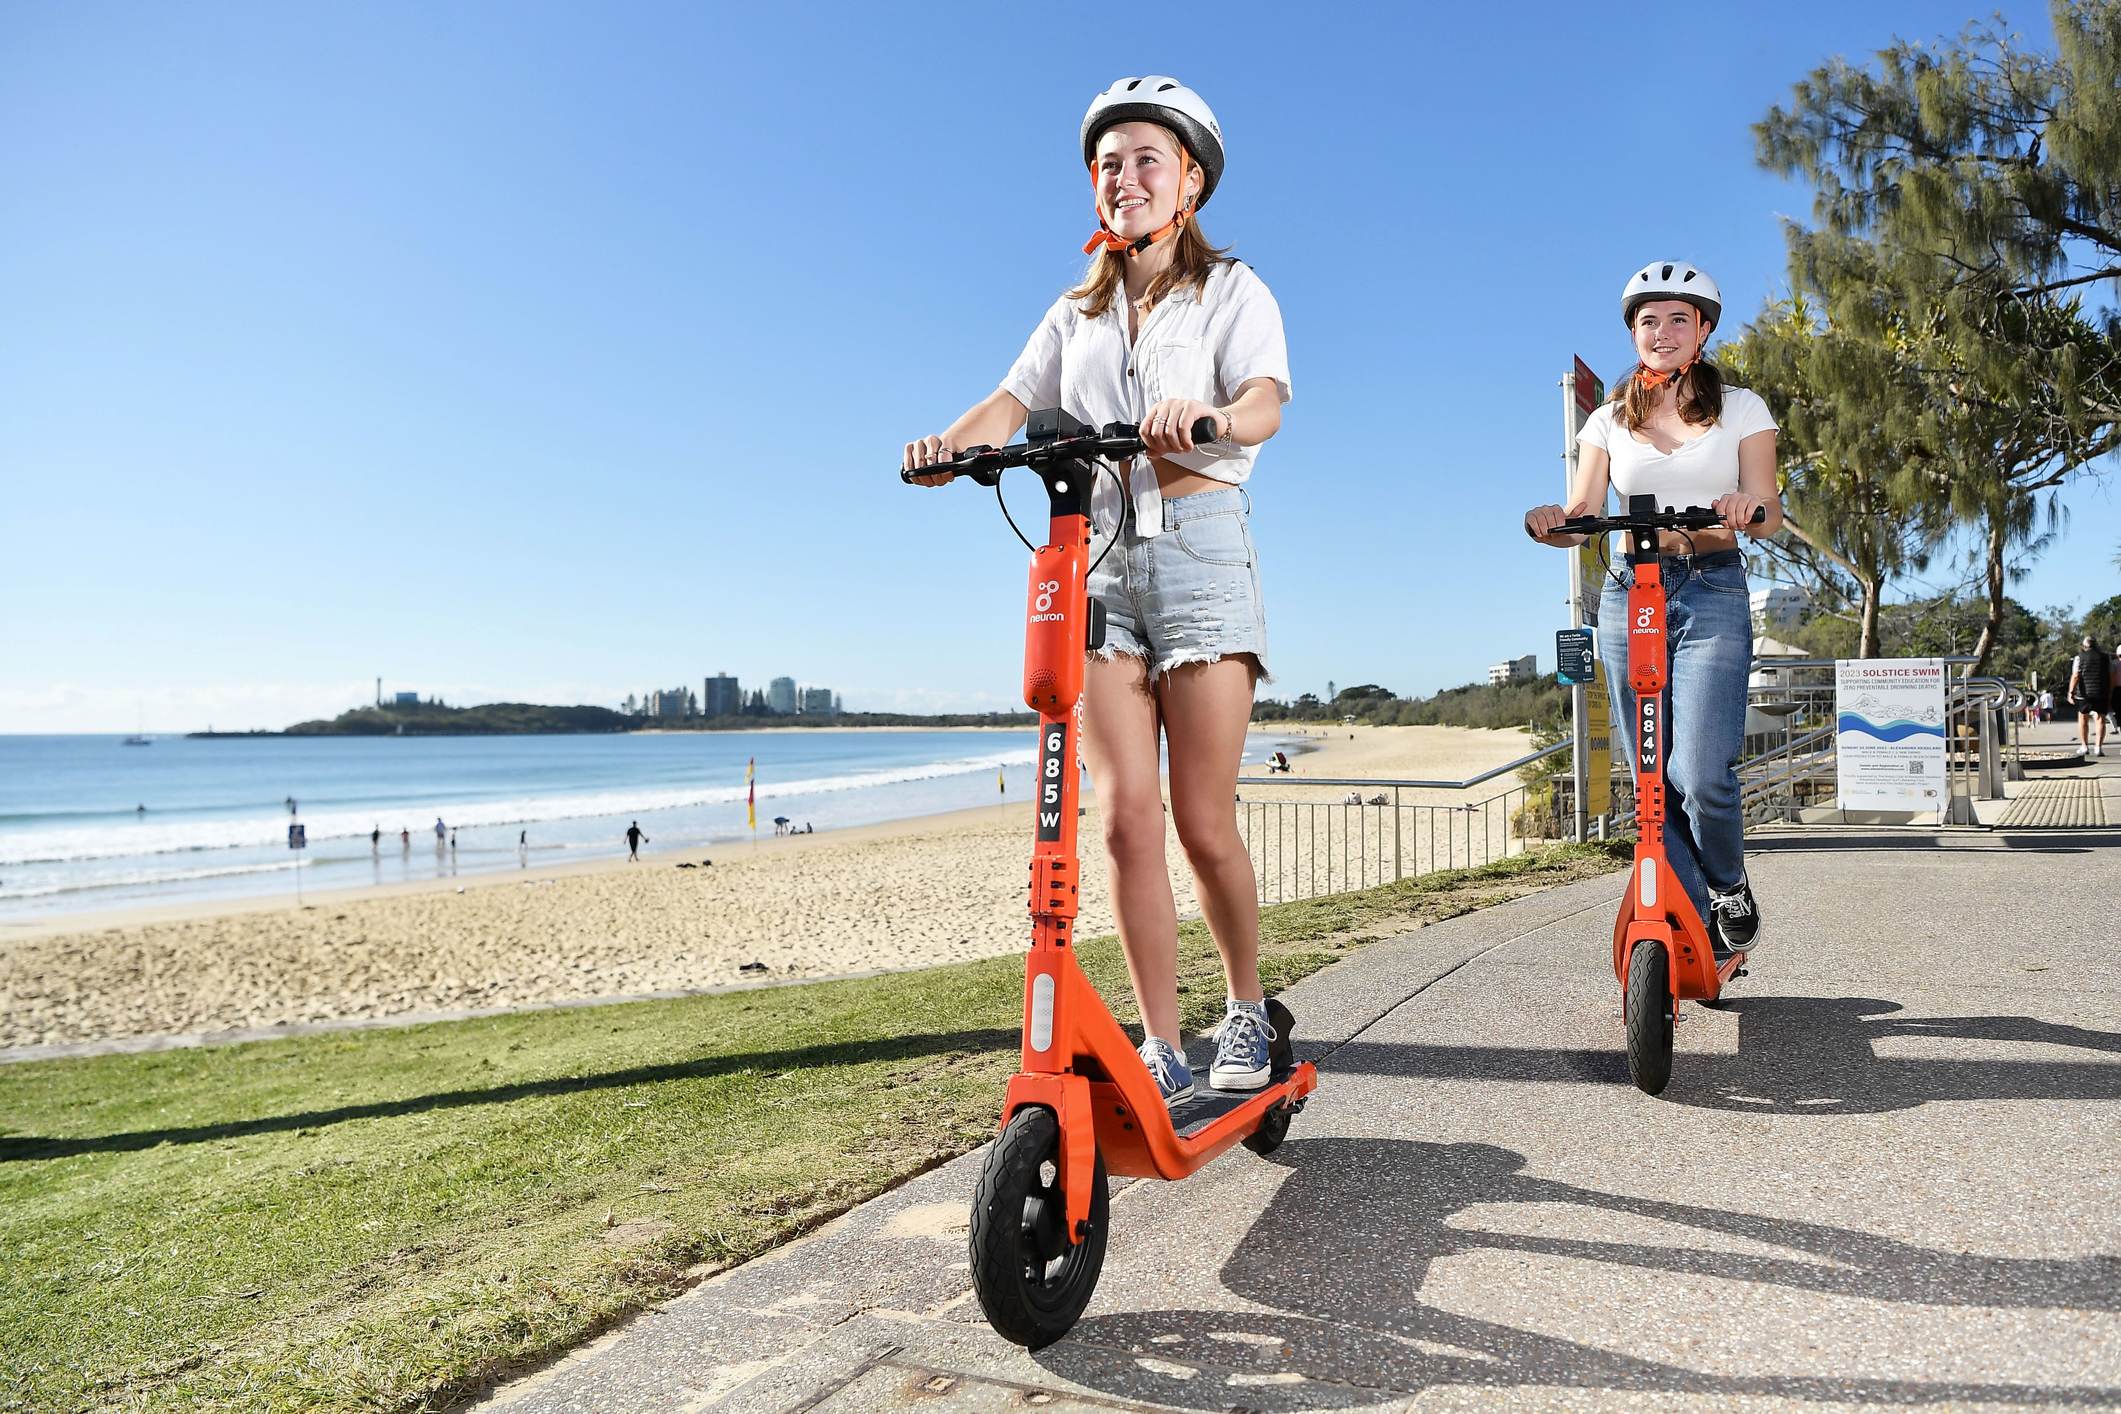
1200, 347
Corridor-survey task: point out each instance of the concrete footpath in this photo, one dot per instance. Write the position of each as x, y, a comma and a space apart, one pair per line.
1887, 1172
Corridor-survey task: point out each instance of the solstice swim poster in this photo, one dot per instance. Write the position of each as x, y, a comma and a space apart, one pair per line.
1889, 748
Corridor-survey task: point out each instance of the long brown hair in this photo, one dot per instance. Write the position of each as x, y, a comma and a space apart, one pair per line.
1700, 394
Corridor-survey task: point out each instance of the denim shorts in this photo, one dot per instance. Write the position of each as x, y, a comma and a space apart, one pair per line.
1189, 595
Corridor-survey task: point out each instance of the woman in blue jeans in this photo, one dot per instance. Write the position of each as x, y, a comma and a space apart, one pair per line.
1674, 430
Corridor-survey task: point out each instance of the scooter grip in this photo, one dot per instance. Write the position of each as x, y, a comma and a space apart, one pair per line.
1204, 430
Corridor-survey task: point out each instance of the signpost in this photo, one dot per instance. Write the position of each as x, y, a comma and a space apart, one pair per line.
1581, 393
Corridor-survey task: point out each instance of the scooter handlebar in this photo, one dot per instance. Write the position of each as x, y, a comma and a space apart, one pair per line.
1692, 518
986, 464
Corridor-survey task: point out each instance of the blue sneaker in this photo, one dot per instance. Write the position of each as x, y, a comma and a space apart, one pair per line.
1168, 1069
1242, 1059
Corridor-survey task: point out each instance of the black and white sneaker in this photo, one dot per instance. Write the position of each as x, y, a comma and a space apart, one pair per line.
1734, 919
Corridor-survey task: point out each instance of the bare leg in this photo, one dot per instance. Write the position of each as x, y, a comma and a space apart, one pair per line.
1206, 709
1119, 742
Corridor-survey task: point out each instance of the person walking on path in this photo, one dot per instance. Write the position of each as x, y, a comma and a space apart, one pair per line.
634, 837
1164, 330
2091, 682
2047, 704
1674, 430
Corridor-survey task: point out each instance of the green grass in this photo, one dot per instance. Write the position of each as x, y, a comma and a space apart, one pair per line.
392, 1219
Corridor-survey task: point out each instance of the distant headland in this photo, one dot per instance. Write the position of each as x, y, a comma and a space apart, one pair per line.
533, 719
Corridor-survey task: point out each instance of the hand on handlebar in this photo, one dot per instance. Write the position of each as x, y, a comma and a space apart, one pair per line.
1739, 511
1170, 425
1540, 521
927, 451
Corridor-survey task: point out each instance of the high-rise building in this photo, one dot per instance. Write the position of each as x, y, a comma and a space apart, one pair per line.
721, 697
669, 702
817, 702
780, 696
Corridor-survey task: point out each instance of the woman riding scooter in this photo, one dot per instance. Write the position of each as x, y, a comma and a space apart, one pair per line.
1164, 330
1674, 430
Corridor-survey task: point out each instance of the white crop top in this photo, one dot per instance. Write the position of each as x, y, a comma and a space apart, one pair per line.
1692, 474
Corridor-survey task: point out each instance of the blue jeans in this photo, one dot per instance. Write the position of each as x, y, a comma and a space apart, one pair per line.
1709, 640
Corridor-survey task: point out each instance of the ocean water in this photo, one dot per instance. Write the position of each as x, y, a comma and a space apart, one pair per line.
74, 836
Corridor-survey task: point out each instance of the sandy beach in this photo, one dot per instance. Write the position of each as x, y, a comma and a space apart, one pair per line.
908, 894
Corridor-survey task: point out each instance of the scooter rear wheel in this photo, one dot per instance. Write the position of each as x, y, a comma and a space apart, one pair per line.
1649, 1017
1032, 1282
1273, 1128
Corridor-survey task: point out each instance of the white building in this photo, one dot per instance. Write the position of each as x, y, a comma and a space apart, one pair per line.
818, 702
1779, 606
780, 696
1515, 670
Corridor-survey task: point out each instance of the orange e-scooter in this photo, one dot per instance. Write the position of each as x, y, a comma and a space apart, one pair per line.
1662, 952
1083, 1105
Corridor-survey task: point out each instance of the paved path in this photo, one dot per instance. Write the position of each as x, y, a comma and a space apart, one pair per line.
1888, 1172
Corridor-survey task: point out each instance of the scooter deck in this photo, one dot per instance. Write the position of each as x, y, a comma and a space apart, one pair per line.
1209, 1105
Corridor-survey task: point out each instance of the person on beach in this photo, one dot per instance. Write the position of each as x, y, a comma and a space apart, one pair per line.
405, 840
1674, 430
2091, 679
1164, 330
633, 841
375, 838
441, 830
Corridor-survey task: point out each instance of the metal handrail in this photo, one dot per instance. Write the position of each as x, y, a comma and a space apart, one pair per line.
1281, 780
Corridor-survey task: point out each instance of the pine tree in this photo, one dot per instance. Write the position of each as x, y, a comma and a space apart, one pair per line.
1855, 500
1969, 196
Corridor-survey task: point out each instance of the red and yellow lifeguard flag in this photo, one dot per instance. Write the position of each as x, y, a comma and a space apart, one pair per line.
751, 790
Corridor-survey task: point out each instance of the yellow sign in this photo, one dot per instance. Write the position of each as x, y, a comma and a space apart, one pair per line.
1597, 746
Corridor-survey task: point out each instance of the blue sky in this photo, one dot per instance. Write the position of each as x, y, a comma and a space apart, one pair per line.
558, 352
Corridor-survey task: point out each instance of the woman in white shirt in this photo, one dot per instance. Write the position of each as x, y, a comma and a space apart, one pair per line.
1673, 430
1165, 329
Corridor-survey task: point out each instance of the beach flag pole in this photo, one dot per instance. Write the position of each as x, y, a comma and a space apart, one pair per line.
751, 797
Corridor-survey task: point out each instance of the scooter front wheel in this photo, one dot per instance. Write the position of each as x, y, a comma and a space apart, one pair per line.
1649, 1005
1032, 1281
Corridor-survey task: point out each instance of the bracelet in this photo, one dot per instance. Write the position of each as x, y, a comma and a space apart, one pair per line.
1229, 432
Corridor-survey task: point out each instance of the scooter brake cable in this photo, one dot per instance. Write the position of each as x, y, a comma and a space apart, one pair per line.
1103, 466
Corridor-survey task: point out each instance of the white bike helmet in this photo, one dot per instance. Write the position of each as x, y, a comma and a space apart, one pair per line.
1672, 279
1159, 98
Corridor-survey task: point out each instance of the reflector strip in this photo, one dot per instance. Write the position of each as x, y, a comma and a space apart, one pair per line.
1645, 893
1042, 1012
